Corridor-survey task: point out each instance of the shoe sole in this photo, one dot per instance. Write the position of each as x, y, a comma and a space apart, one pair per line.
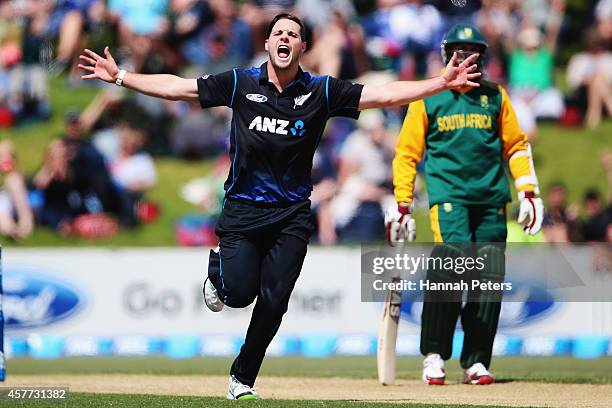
212, 308
483, 380
248, 397
434, 381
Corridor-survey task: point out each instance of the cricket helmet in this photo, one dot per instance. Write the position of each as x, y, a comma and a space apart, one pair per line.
463, 34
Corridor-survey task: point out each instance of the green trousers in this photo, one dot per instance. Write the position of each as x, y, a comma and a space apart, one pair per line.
465, 230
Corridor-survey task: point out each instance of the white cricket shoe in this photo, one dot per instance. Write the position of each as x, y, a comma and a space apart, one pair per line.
240, 391
433, 370
477, 374
211, 298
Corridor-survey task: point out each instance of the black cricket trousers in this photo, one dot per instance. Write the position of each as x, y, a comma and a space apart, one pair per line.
260, 262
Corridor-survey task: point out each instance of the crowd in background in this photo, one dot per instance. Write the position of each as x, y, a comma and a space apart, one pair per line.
94, 177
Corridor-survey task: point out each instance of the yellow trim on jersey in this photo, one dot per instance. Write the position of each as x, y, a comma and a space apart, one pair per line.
434, 222
409, 151
515, 147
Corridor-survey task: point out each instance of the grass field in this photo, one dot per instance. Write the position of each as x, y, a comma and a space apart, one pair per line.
332, 382
540, 369
154, 401
570, 155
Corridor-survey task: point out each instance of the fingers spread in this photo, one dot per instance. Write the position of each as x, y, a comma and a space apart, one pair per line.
107, 53
472, 84
92, 54
474, 75
453, 60
86, 67
472, 68
469, 60
90, 76
87, 59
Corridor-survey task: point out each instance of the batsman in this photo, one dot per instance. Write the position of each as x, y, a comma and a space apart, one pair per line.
468, 137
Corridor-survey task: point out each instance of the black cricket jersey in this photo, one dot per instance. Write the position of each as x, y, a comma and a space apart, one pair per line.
274, 134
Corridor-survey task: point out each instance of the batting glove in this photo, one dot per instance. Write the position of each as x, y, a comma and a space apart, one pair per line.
399, 224
531, 212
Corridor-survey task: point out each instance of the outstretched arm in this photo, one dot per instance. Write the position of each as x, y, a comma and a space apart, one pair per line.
403, 92
163, 86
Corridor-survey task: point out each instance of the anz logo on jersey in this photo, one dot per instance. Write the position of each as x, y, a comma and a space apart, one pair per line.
277, 126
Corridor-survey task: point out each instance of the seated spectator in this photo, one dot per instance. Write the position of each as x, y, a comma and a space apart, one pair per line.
560, 222
74, 181
88, 164
62, 200
589, 76
16, 219
532, 66
133, 172
598, 217
364, 179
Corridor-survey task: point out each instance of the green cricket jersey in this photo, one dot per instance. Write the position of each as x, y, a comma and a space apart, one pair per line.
466, 138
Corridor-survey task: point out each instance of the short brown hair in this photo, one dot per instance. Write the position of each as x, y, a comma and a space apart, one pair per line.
286, 16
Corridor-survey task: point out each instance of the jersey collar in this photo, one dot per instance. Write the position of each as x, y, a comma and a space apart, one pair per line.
300, 79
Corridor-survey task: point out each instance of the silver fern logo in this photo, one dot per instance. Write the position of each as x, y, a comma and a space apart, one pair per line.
299, 100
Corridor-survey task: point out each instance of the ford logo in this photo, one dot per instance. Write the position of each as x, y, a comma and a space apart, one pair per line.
256, 98
526, 304
34, 300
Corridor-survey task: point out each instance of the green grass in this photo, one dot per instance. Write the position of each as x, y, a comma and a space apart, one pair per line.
153, 401
570, 155
538, 369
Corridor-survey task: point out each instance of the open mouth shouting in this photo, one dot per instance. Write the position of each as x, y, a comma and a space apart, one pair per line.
284, 52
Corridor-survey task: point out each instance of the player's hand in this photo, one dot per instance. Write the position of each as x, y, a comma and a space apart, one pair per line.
105, 69
399, 224
458, 76
531, 212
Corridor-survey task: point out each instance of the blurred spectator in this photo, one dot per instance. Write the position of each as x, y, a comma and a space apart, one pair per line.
63, 201
200, 133
88, 165
364, 179
603, 17
73, 179
589, 76
499, 23
598, 217
404, 26
560, 222
26, 92
339, 49
188, 17
133, 172
224, 44
532, 66
141, 25
68, 22
16, 219
537, 11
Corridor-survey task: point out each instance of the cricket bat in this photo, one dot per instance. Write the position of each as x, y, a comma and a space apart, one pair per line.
387, 332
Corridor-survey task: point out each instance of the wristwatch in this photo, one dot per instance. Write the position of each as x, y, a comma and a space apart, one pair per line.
119, 80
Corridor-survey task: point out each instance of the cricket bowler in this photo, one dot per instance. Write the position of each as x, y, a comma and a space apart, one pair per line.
279, 114
469, 134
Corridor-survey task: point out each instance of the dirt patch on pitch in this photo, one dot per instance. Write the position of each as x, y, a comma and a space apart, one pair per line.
514, 394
